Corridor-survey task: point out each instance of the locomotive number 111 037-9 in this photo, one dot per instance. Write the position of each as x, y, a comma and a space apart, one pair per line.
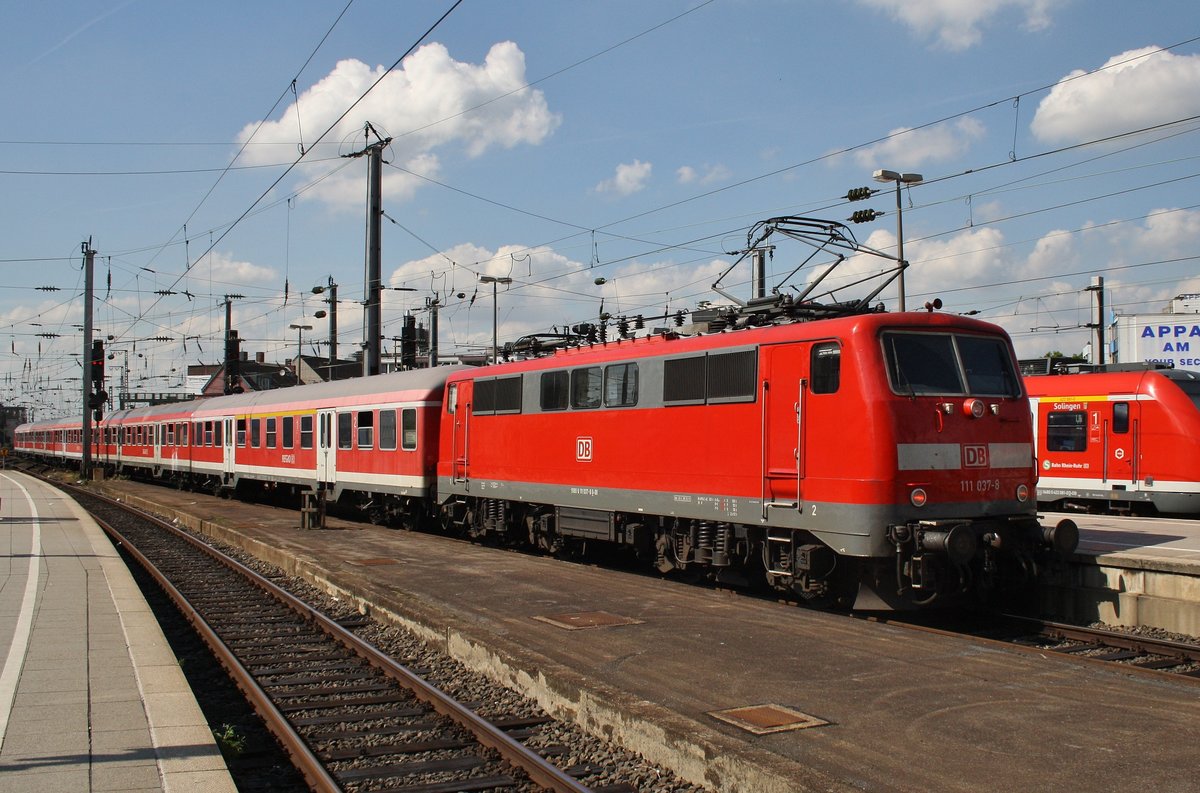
979, 485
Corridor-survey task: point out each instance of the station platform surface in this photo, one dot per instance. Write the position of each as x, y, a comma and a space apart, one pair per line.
91, 696
820, 702
1129, 571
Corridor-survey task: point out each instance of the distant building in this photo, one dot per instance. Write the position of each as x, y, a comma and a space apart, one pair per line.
1172, 337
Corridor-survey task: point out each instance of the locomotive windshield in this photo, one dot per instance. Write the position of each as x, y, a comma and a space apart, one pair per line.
949, 364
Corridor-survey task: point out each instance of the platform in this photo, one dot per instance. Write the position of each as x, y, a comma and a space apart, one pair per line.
738, 693
1130, 571
91, 696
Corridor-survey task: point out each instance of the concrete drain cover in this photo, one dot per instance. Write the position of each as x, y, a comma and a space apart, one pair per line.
586, 619
374, 562
764, 719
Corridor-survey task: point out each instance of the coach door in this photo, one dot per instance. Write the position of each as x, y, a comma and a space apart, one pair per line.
1121, 443
781, 393
227, 444
326, 446
459, 402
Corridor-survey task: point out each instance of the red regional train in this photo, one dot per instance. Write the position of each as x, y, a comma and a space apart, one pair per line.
888, 456
1125, 441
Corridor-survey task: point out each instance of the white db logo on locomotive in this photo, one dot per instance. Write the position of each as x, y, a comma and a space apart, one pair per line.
583, 450
975, 455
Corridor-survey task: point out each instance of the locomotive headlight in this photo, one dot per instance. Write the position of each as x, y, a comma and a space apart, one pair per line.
918, 497
975, 408
1022, 493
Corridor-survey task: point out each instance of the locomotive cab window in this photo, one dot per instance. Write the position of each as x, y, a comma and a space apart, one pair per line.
1066, 431
988, 366
949, 364
1120, 420
825, 368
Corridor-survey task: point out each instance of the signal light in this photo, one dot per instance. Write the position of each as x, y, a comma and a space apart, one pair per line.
97, 362
864, 216
858, 193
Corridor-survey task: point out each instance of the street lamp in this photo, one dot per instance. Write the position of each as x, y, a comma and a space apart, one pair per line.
493, 280
899, 179
299, 345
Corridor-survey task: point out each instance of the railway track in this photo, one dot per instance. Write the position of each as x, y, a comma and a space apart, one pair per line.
350, 717
1137, 652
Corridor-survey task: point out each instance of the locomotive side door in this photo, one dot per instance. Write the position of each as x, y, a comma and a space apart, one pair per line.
782, 384
459, 403
326, 446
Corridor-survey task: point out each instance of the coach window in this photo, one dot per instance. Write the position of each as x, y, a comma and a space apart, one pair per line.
366, 429
586, 387
241, 433
272, 434
555, 390
306, 432
183, 434
1066, 431
345, 430
1120, 417
170, 434
621, 385
216, 435
255, 433
408, 429
387, 430
825, 368
289, 428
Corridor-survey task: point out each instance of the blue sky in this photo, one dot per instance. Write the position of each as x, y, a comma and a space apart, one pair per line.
560, 142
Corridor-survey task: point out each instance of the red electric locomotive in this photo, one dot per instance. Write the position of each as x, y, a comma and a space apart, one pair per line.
891, 449
1125, 441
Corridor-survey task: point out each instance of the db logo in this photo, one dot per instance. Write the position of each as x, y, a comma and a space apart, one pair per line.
583, 450
975, 456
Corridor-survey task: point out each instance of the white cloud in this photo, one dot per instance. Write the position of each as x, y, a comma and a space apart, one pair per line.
707, 174
629, 178
957, 24
911, 148
429, 103
222, 268
1135, 89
